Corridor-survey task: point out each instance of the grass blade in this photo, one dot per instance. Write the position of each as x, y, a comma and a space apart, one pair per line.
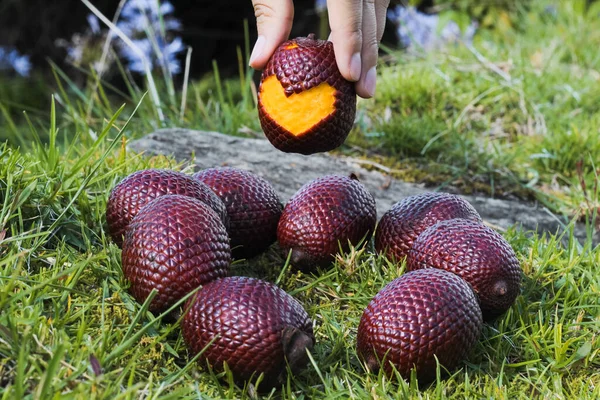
45, 388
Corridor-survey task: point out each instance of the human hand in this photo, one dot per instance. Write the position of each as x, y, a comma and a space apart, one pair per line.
356, 30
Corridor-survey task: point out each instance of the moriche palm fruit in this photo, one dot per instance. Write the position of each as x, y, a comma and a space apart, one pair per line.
252, 325
403, 223
476, 253
305, 105
174, 244
141, 187
414, 319
253, 207
325, 214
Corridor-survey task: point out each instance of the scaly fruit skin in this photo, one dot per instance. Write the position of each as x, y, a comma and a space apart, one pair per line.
323, 215
403, 223
476, 253
417, 316
253, 207
174, 244
299, 65
256, 328
138, 189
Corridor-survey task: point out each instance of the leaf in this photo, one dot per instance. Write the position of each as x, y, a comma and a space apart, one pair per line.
22, 197
504, 22
170, 349
489, 19
578, 7
52, 370
445, 18
583, 351
593, 11
463, 21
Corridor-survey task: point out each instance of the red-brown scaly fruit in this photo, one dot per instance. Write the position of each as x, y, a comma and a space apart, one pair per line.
476, 253
253, 207
139, 188
419, 316
403, 223
304, 103
174, 244
257, 328
325, 214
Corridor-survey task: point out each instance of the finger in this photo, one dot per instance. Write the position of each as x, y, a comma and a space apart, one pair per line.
345, 21
273, 22
381, 7
365, 87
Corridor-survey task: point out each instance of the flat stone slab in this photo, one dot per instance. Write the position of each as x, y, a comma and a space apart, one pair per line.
288, 172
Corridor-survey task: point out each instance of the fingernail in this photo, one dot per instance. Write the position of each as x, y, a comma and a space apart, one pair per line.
258, 48
355, 65
371, 81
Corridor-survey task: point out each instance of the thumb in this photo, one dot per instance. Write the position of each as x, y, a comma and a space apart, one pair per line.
274, 22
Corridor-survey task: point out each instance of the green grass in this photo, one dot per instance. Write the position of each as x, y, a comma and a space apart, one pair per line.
70, 329
69, 326
65, 305
518, 113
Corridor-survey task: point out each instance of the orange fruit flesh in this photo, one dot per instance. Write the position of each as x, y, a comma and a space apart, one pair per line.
299, 112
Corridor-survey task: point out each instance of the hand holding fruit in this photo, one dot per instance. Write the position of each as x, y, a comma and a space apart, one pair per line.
356, 30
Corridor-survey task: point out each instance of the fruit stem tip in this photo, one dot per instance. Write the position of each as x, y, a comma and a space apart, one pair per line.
300, 259
500, 288
372, 363
295, 344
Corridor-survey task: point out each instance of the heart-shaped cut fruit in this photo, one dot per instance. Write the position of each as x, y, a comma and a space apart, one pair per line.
304, 103
314, 104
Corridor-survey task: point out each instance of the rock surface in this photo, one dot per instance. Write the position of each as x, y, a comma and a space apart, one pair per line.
288, 172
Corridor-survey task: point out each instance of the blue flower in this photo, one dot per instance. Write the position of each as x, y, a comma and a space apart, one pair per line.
141, 21
416, 28
11, 59
94, 24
